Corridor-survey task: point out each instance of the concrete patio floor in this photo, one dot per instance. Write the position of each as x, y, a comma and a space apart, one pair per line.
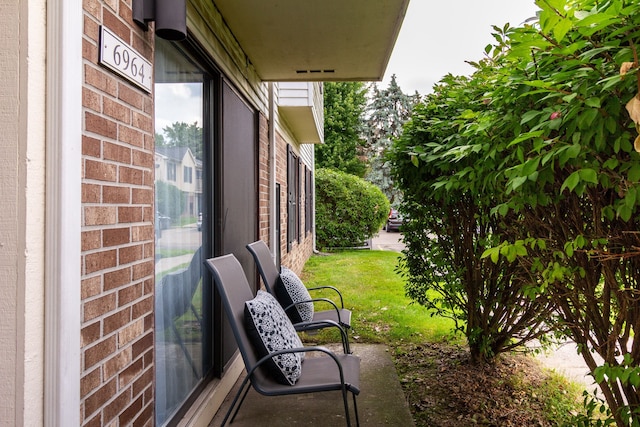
381, 401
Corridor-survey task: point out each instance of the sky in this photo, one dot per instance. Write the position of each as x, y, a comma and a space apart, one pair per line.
177, 102
438, 36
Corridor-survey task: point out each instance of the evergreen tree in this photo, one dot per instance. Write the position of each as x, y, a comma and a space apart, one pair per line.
388, 110
344, 105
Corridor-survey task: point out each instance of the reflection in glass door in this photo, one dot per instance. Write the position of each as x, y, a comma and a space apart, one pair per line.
182, 304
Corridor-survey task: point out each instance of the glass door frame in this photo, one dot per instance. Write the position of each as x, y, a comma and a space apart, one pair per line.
212, 309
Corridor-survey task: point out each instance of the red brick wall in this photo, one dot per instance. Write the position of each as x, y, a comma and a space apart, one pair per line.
300, 252
117, 230
263, 178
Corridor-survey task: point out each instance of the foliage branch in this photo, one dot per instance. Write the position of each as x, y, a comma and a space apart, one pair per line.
181, 134
344, 106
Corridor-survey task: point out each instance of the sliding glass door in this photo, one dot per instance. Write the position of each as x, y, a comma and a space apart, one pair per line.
206, 193
183, 158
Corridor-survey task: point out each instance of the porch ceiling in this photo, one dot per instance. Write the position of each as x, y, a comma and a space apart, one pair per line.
316, 40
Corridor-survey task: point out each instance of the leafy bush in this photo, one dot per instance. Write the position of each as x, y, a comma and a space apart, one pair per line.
553, 134
349, 210
451, 225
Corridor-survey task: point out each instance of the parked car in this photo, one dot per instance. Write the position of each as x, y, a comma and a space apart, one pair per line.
199, 222
394, 221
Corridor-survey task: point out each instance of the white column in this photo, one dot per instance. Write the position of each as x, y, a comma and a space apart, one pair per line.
63, 219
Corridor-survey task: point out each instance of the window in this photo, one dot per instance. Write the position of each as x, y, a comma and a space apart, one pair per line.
188, 173
278, 225
171, 171
293, 197
308, 199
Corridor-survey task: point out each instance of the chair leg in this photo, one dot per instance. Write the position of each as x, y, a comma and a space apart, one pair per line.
185, 350
195, 313
346, 406
235, 400
241, 402
355, 408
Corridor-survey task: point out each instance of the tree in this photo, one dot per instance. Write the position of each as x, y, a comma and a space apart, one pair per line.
159, 140
181, 134
344, 104
388, 110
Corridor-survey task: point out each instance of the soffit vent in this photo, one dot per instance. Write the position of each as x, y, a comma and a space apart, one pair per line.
315, 71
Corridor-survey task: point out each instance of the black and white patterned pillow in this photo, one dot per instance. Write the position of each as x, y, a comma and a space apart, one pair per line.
270, 330
289, 290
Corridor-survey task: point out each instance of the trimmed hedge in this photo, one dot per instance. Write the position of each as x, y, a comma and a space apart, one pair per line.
170, 200
349, 210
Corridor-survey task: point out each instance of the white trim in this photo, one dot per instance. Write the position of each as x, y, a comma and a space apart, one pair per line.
63, 217
274, 239
210, 400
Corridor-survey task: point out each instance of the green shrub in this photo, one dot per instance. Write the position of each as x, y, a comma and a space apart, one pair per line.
349, 210
170, 201
545, 135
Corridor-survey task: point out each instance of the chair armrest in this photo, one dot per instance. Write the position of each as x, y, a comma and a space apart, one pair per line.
300, 350
335, 307
333, 288
306, 326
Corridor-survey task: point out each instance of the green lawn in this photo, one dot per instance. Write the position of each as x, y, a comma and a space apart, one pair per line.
374, 292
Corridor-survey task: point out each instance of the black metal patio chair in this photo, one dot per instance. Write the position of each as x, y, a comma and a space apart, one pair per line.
327, 372
270, 276
174, 294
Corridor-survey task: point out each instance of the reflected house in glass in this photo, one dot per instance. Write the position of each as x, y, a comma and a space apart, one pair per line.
104, 181
179, 167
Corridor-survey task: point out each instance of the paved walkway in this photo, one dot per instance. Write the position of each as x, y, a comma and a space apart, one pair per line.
565, 360
380, 403
165, 264
387, 241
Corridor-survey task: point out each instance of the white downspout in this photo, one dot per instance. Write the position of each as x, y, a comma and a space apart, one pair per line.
274, 239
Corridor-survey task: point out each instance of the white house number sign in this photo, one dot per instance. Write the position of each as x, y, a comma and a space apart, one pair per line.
121, 58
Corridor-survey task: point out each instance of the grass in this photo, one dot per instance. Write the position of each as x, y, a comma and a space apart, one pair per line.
185, 220
170, 253
423, 346
375, 294
559, 396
